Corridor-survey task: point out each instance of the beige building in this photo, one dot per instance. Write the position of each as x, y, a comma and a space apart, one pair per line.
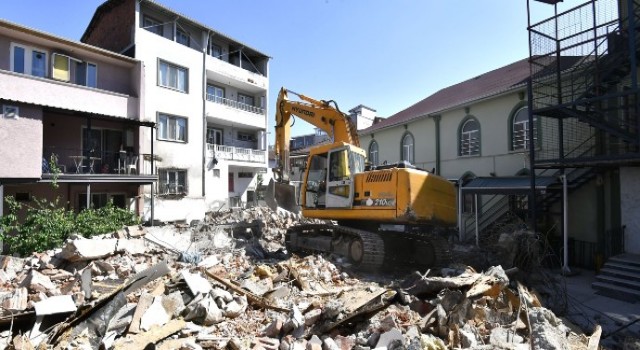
569, 112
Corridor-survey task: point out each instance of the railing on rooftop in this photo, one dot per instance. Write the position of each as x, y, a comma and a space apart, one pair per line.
235, 104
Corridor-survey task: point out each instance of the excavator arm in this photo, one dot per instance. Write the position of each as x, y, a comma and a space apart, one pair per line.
324, 115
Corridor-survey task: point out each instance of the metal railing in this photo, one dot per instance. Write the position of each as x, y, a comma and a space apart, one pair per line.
237, 153
235, 104
70, 161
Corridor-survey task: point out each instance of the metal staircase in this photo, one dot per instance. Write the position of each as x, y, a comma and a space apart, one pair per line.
584, 65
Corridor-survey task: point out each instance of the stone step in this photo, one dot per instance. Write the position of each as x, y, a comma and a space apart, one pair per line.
619, 281
621, 273
622, 267
626, 259
617, 292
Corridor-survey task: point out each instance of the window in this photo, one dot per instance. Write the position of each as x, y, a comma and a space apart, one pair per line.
215, 94
470, 138
246, 99
172, 76
152, 25
61, 67
216, 173
92, 75
245, 175
214, 136
407, 147
10, 112
86, 74
99, 200
242, 136
172, 181
373, 152
520, 130
28, 60
215, 50
182, 37
172, 128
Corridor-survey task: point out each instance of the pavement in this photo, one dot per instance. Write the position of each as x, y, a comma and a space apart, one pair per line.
620, 320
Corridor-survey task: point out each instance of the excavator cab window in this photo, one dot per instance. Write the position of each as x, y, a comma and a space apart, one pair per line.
316, 181
339, 166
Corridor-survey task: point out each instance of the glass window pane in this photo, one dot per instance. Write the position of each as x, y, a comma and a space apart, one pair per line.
61, 68
172, 129
38, 64
162, 74
18, 59
92, 75
182, 129
162, 127
81, 73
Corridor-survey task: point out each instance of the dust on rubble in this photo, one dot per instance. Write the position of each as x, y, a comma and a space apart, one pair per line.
228, 282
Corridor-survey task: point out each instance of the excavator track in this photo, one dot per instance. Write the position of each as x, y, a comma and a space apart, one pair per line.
370, 251
363, 249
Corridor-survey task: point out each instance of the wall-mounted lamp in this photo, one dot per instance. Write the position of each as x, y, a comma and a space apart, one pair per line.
467, 110
521, 95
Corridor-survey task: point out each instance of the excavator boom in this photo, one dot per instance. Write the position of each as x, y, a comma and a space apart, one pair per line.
324, 115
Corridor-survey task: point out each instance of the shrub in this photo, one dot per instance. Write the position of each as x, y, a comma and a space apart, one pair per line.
47, 224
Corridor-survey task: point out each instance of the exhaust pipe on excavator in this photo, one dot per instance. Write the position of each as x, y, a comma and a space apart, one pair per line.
281, 195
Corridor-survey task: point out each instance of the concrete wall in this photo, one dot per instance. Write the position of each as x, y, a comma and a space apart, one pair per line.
630, 205
21, 156
495, 156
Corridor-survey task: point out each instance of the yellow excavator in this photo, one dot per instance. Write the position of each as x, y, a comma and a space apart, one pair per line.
389, 215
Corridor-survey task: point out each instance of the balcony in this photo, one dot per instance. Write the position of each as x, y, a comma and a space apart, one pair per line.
219, 70
235, 104
47, 92
237, 153
70, 164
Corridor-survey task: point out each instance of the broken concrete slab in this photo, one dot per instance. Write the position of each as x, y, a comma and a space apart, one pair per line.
387, 337
88, 249
16, 300
55, 305
144, 302
156, 315
131, 246
197, 284
37, 282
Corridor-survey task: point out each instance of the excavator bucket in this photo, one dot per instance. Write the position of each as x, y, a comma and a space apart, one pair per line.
281, 195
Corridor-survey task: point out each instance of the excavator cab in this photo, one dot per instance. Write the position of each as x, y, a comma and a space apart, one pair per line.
329, 177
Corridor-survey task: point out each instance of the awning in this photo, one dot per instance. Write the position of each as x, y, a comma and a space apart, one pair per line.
508, 185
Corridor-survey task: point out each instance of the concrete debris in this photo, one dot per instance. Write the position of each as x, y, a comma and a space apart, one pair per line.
227, 282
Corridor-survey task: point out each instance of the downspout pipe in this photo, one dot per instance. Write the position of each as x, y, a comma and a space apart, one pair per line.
436, 119
204, 112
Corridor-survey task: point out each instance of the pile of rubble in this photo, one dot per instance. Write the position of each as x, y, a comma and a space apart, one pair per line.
227, 283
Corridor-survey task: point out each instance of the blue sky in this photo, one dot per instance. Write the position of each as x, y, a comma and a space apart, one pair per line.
385, 54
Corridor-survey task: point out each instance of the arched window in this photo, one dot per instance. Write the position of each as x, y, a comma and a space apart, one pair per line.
520, 130
407, 148
373, 152
470, 138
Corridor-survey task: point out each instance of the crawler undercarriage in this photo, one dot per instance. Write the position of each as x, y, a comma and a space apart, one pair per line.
386, 248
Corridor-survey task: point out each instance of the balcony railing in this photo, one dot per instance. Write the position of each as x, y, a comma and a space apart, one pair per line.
235, 104
237, 153
70, 161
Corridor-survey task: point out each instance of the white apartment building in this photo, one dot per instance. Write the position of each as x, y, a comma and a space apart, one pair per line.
207, 93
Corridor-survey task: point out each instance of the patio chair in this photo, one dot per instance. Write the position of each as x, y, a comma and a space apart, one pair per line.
132, 164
